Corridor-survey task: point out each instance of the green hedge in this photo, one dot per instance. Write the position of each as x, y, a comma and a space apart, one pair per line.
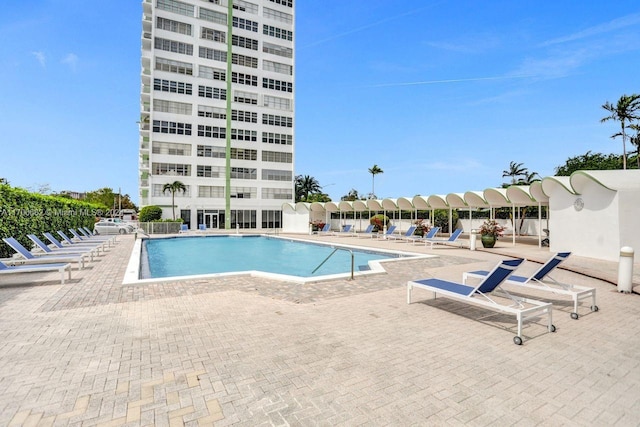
23, 213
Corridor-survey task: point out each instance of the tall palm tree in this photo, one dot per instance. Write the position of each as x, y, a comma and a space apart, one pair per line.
374, 170
306, 185
515, 170
625, 110
174, 187
635, 140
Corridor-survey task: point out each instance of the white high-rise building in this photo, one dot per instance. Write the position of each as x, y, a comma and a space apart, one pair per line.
217, 110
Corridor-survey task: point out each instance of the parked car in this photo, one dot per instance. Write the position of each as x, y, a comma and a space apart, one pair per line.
109, 227
118, 221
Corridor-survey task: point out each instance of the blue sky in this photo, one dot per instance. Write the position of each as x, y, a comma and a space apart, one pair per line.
441, 95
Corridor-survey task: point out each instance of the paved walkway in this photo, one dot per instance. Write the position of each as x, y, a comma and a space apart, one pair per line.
249, 351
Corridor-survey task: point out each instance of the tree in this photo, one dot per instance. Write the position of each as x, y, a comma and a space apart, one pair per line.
589, 161
625, 110
150, 213
174, 187
305, 186
374, 170
515, 170
106, 197
635, 140
351, 195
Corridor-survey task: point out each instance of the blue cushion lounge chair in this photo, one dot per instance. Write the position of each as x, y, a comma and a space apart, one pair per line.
59, 244
430, 235
62, 251
522, 308
17, 269
184, 228
406, 236
541, 281
94, 237
367, 231
452, 239
346, 231
325, 230
82, 238
202, 227
68, 240
30, 258
389, 232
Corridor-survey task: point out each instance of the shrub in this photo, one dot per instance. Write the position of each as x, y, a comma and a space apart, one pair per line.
379, 222
150, 213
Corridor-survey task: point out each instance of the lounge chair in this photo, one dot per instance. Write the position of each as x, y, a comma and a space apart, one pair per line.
82, 238
389, 232
452, 239
406, 236
18, 269
62, 251
184, 228
367, 231
430, 235
30, 258
346, 231
325, 230
522, 308
73, 245
202, 227
541, 281
95, 243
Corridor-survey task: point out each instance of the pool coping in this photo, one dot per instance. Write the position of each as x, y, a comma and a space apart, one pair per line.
131, 276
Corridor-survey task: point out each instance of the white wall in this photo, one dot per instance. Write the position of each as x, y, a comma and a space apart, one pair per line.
295, 222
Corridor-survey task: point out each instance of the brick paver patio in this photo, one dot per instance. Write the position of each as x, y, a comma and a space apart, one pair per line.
250, 351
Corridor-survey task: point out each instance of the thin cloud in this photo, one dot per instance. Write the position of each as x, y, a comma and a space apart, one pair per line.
444, 81
616, 24
71, 60
40, 57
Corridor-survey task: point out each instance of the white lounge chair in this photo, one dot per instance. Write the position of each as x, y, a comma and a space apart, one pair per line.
36, 268
389, 232
367, 231
346, 231
406, 236
430, 235
452, 239
62, 251
541, 281
30, 258
522, 308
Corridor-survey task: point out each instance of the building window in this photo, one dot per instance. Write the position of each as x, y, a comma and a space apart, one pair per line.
277, 138
274, 49
288, 3
245, 6
203, 171
244, 192
243, 218
276, 175
211, 112
277, 193
172, 86
213, 16
277, 157
208, 53
273, 120
214, 35
278, 33
244, 79
277, 85
171, 148
171, 107
172, 169
156, 191
212, 92
211, 73
244, 42
173, 46
244, 116
171, 127
276, 15
174, 66
211, 151
211, 191
173, 26
244, 154
245, 61
176, 7
244, 135
277, 103
277, 67
245, 97
212, 131
244, 173
245, 24
271, 219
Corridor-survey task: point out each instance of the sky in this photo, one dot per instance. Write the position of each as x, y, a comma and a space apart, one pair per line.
441, 95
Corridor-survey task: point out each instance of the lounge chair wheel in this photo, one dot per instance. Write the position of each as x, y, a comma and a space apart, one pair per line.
574, 316
594, 308
553, 328
517, 340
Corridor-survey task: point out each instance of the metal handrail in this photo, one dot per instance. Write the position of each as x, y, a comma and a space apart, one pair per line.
331, 254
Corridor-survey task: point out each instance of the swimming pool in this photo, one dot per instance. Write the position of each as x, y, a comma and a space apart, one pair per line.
281, 258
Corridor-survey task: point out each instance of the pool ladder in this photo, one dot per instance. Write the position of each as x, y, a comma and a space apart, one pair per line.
331, 254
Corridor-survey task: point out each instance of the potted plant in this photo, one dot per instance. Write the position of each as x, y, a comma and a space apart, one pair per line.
379, 222
489, 233
422, 227
317, 225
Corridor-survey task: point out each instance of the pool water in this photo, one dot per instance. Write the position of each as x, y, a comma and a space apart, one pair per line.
186, 256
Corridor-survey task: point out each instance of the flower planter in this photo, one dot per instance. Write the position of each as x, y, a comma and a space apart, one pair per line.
488, 241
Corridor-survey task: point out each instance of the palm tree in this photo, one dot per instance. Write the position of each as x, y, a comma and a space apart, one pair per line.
625, 110
306, 185
635, 140
374, 170
174, 187
515, 170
